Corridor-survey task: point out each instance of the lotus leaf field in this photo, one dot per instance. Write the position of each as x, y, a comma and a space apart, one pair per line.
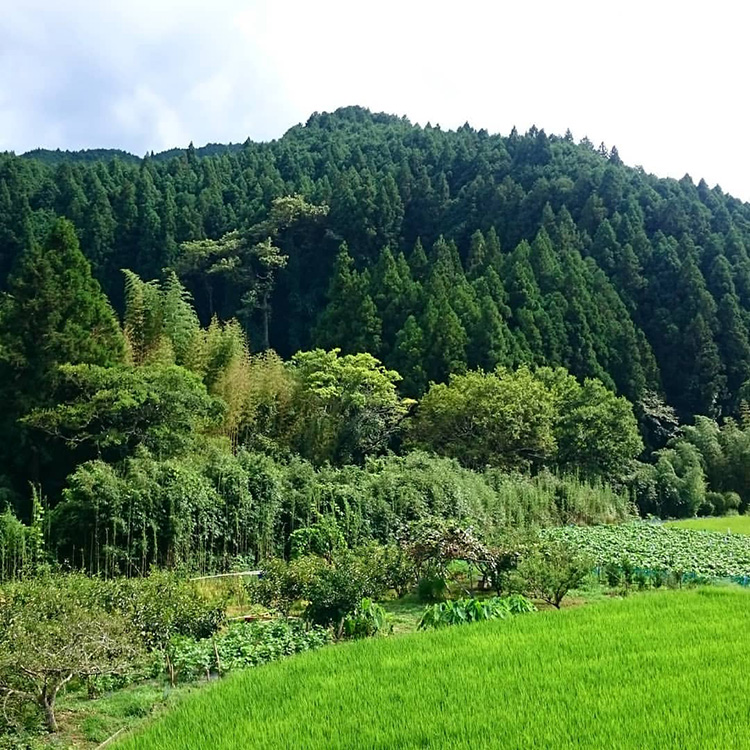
653, 546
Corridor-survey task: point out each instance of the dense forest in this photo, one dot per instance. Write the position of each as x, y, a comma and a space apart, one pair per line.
203, 351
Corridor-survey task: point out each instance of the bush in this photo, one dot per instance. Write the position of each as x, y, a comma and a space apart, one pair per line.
339, 588
282, 584
400, 573
322, 538
432, 587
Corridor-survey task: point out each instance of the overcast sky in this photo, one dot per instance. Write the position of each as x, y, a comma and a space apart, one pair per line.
664, 81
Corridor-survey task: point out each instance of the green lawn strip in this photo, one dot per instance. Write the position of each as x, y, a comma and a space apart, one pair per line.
86, 722
661, 670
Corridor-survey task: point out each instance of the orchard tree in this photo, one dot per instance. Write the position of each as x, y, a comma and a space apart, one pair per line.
50, 634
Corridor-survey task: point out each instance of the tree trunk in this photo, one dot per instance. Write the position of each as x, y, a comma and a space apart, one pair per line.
47, 702
47, 699
266, 310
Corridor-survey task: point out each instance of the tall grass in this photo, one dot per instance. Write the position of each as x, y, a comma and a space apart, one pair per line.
661, 670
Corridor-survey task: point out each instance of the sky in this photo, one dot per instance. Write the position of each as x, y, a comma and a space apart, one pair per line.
664, 81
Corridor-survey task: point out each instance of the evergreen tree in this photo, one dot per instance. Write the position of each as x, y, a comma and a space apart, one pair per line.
408, 357
350, 319
53, 313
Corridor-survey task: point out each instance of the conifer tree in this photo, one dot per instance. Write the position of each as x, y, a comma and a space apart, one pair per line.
53, 313
350, 320
408, 358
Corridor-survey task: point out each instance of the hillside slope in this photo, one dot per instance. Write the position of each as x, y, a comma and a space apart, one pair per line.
460, 249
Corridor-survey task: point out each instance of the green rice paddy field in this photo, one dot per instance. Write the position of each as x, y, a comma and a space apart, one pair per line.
664, 669
732, 524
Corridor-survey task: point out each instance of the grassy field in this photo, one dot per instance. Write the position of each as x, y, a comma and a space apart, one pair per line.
664, 669
724, 524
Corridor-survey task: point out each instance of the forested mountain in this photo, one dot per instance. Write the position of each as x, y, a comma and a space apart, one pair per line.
436, 251
478, 306
440, 250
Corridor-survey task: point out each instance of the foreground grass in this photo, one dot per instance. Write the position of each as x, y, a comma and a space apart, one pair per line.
661, 670
724, 524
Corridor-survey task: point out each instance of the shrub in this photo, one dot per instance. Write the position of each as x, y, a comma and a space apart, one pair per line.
613, 574
400, 573
333, 595
552, 570
432, 587
322, 538
282, 584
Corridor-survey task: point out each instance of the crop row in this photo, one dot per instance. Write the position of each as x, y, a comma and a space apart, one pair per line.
654, 546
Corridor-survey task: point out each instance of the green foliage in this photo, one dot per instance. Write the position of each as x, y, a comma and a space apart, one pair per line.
367, 620
434, 544
350, 320
523, 419
15, 549
432, 586
502, 419
399, 569
323, 538
464, 611
163, 605
53, 631
345, 407
205, 510
592, 251
283, 584
55, 312
596, 431
242, 645
118, 409
338, 589
675, 486
551, 500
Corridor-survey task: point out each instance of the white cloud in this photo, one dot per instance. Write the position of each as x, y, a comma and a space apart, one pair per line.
663, 80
